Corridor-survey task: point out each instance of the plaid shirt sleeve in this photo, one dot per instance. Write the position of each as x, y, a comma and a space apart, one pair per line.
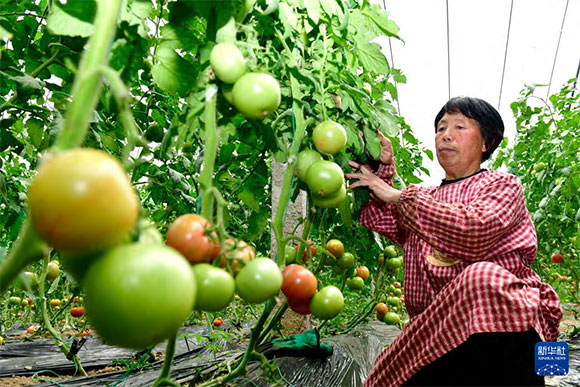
383, 217
464, 231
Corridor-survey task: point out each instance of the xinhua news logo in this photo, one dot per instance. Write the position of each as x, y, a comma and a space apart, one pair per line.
552, 358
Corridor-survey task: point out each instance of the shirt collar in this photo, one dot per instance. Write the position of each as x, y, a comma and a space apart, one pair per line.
445, 181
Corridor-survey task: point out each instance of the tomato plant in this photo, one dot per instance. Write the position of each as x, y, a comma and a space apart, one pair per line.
215, 287
259, 280
82, 201
137, 295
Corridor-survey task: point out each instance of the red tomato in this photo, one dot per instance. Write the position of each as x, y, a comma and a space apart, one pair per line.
300, 307
217, 322
32, 329
187, 234
312, 250
236, 254
557, 258
298, 283
363, 272
381, 309
77, 311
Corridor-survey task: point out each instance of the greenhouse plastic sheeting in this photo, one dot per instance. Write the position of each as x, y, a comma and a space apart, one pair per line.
352, 358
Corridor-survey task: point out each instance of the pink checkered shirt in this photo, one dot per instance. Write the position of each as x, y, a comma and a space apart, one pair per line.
483, 233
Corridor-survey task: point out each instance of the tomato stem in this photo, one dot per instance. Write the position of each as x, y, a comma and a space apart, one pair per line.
121, 95
61, 344
209, 155
163, 378
26, 249
87, 85
273, 321
241, 367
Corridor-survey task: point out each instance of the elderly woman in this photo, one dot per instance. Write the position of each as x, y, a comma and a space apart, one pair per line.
476, 307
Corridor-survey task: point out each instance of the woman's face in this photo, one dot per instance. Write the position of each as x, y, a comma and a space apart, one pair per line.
459, 144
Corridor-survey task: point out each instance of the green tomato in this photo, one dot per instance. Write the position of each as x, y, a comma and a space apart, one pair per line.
82, 201
327, 303
355, 283
226, 89
390, 251
259, 280
392, 318
154, 133
324, 178
289, 254
26, 281
393, 301
539, 166
332, 201
215, 287
306, 158
395, 263
138, 295
52, 271
227, 62
346, 261
256, 95
14, 300
329, 137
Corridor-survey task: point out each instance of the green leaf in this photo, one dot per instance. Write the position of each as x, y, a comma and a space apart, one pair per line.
25, 82
172, 73
371, 56
331, 8
384, 112
136, 12
288, 16
4, 34
63, 23
35, 129
249, 199
381, 19
313, 10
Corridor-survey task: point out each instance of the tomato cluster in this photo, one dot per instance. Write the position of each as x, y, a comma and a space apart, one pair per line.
255, 95
324, 178
300, 288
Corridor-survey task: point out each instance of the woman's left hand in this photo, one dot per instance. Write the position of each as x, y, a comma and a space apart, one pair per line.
366, 178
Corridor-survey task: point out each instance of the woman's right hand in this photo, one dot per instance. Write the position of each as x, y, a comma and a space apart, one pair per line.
386, 156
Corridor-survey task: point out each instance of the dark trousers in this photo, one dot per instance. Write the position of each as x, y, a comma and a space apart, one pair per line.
485, 359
